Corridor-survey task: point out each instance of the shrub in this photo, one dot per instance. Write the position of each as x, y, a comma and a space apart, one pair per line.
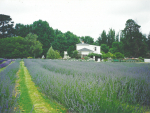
5, 64
86, 58
29, 57
51, 53
119, 55
76, 54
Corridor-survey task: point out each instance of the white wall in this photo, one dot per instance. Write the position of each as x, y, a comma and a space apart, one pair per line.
146, 60
84, 53
91, 47
78, 47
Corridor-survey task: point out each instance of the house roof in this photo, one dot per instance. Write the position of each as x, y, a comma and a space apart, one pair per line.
84, 49
83, 44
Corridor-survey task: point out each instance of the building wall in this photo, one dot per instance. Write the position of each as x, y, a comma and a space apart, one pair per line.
146, 60
91, 47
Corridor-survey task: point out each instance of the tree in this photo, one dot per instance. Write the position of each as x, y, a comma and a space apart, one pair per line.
36, 49
51, 53
88, 40
71, 39
60, 43
33, 45
111, 37
133, 40
119, 55
70, 50
57, 54
76, 54
6, 26
104, 48
148, 41
116, 47
13, 47
103, 38
45, 33
22, 30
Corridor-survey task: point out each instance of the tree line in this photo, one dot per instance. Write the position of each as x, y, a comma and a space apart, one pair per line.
35, 40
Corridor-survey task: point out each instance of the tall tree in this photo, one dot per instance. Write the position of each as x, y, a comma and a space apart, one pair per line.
60, 44
111, 37
70, 50
34, 46
104, 48
88, 40
51, 53
133, 40
23, 30
116, 47
46, 34
71, 39
103, 38
13, 47
6, 26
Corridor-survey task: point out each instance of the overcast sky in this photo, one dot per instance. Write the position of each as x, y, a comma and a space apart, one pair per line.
81, 17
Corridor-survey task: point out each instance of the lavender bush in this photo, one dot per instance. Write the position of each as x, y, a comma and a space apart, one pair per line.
93, 87
6, 63
7, 84
2, 60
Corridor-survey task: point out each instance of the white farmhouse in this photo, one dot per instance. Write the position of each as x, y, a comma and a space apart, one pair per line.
84, 49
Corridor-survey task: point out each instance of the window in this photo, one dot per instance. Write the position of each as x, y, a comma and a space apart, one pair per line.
95, 48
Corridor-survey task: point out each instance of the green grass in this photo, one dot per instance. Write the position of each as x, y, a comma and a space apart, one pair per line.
25, 103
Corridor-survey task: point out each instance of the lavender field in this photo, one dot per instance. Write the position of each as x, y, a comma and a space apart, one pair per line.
91, 87
7, 83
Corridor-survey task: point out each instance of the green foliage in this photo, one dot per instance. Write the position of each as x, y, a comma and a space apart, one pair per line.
105, 56
111, 37
23, 30
70, 50
87, 39
57, 54
45, 34
51, 54
76, 54
34, 46
119, 55
104, 48
116, 47
86, 58
6, 26
103, 38
14, 47
94, 54
134, 43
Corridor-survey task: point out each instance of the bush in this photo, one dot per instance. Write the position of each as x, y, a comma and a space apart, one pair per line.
76, 54
94, 54
51, 54
86, 58
29, 57
119, 55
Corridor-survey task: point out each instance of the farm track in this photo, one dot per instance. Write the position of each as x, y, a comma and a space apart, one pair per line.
39, 103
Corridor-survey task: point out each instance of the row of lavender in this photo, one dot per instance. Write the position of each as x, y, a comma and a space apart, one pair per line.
93, 87
8, 101
8, 61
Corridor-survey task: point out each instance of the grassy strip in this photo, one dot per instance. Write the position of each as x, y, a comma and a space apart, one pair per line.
25, 103
36, 99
